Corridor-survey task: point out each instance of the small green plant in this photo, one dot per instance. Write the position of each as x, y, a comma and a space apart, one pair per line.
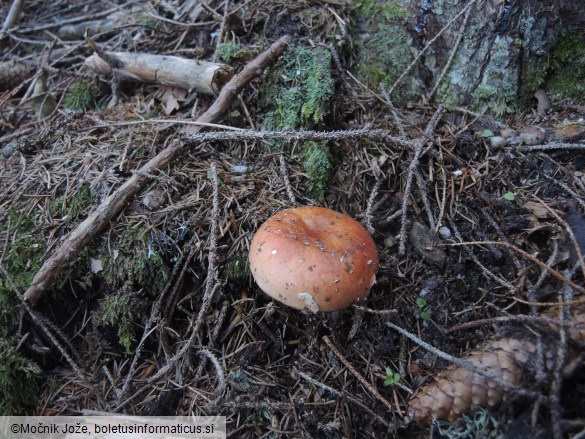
78, 97
391, 377
425, 313
20, 380
486, 134
510, 196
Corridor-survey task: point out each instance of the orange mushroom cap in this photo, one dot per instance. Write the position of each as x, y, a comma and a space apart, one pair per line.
314, 259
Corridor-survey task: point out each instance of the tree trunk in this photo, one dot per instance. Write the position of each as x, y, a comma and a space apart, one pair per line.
505, 50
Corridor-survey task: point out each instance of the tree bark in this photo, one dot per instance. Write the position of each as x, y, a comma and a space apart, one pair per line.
504, 51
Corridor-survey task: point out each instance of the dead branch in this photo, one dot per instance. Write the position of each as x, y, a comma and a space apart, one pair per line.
10, 19
100, 217
201, 76
359, 376
528, 256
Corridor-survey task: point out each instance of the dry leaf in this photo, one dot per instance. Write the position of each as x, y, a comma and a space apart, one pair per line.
170, 98
538, 210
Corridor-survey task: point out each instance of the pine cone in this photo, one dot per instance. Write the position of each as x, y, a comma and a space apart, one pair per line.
13, 73
456, 390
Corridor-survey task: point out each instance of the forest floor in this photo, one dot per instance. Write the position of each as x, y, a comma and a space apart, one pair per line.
479, 238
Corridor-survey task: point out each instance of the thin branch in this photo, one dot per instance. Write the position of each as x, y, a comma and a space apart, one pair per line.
528, 256
373, 391
551, 146
341, 395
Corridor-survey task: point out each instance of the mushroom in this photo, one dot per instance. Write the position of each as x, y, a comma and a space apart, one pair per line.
315, 259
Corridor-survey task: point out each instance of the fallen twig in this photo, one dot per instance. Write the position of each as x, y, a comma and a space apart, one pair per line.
359, 376
100, 217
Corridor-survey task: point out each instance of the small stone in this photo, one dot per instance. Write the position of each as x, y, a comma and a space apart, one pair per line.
9, 150
498, 142
445, 233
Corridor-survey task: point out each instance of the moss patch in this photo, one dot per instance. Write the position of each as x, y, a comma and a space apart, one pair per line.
387, 10
70, 207
562, 73
301, 90
20, 380
238, 268
318, 166
118, 312
228, 50
382, 47
567, 77
137, 263
24, 255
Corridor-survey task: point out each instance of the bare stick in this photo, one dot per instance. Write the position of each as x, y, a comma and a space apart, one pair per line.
340, 395
11, 17
359, 376
552, 145
100, 217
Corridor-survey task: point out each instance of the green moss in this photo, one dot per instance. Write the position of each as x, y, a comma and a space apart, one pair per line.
498, 102
318, 166
302, 89
238, 268
382, 57
20, 380
567, 66
562, 73
118, 311
25, 253
71, 206
78, 97
228, 50
387, 9
137, 263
